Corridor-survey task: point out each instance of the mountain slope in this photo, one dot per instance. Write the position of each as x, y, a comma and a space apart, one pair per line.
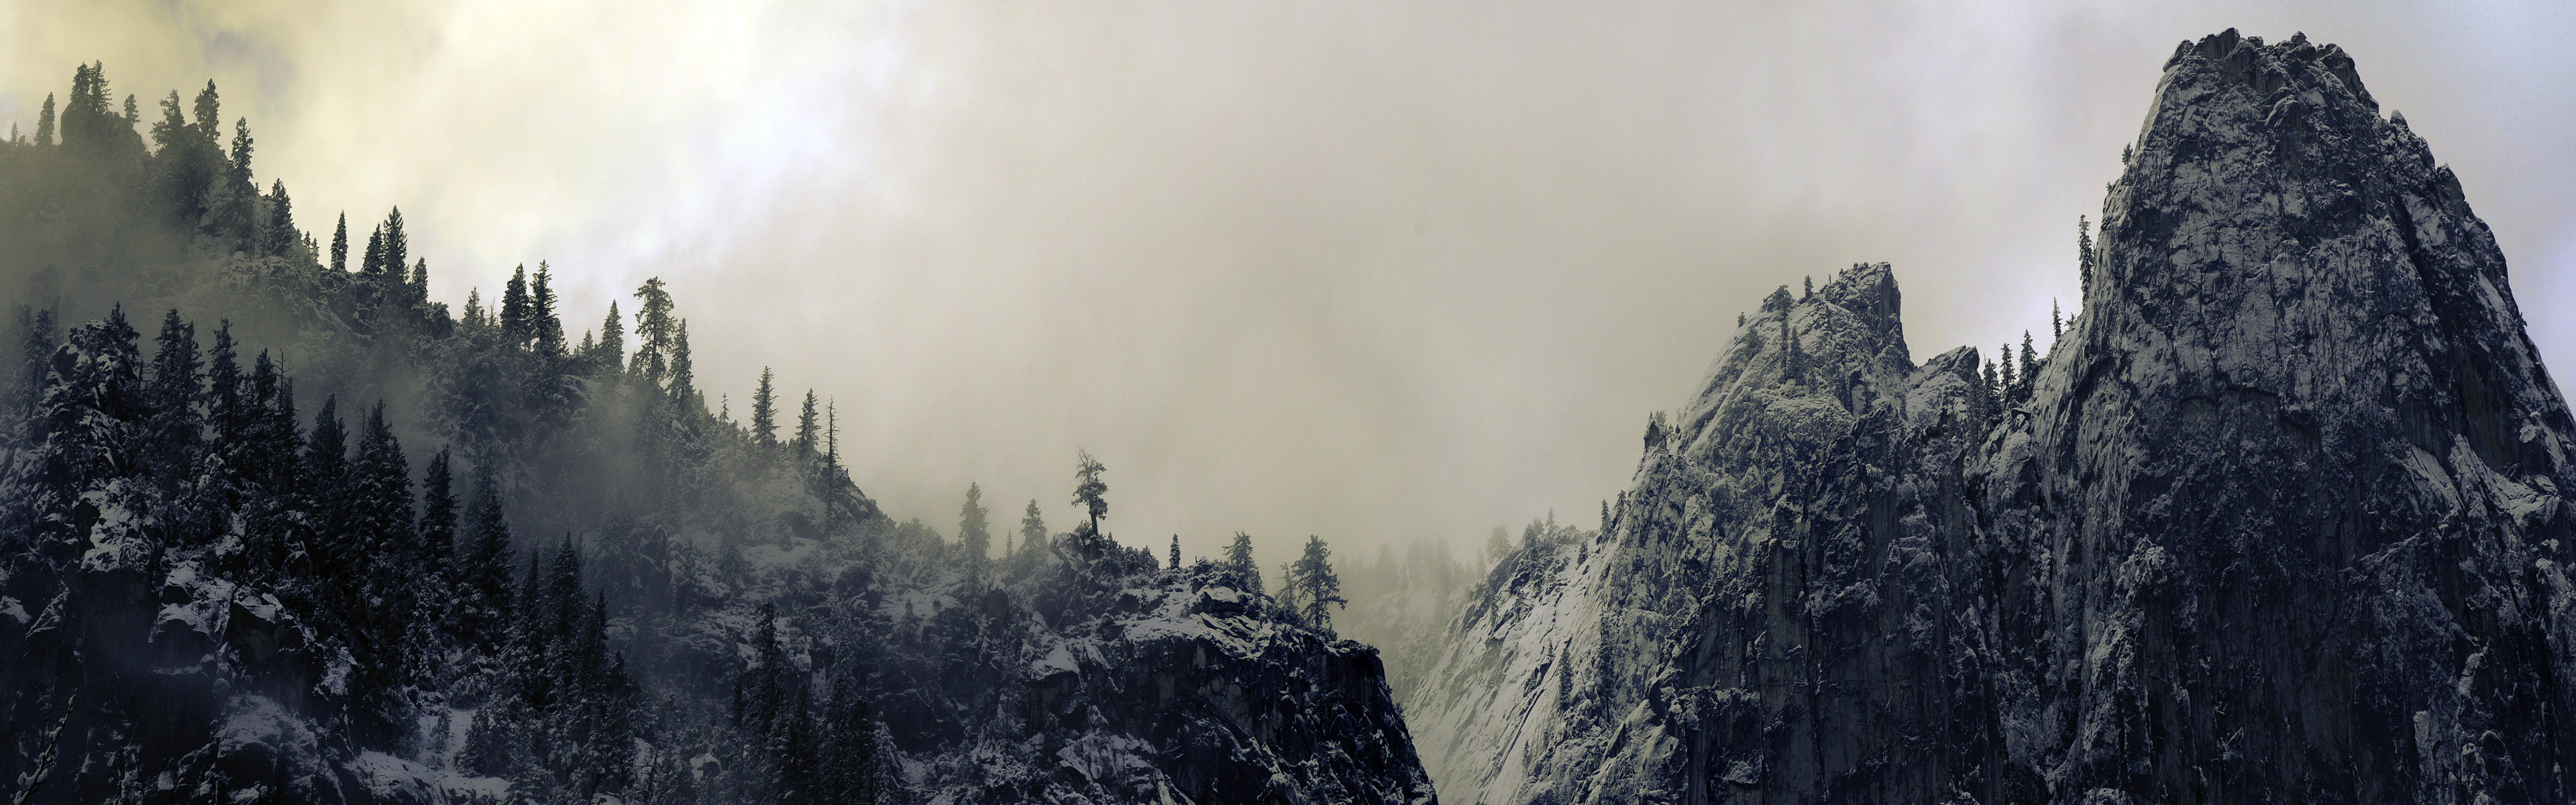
2278, 519
452, 557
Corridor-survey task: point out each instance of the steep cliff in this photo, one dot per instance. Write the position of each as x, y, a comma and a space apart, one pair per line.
2277, 520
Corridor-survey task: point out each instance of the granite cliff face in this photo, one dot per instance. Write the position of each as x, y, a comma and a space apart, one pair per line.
2278, 519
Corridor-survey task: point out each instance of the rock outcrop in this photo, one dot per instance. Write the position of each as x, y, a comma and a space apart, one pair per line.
2278, 519
1177, 689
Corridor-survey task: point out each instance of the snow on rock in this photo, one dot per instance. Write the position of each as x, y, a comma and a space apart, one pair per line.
1163, 686
2277, 521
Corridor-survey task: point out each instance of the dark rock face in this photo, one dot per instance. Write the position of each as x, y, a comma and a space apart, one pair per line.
2295, 480
1182, 693
2279, 520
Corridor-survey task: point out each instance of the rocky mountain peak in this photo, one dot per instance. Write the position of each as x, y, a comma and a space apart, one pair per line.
2278, 519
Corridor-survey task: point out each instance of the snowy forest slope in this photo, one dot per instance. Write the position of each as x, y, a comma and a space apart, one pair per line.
313, 536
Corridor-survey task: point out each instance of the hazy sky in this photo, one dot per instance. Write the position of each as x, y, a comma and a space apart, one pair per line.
1367, 270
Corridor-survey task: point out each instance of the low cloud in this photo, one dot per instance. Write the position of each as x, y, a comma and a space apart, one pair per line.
1367, 271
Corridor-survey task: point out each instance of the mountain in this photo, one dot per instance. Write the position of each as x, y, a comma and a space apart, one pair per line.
319, 538
2278, 518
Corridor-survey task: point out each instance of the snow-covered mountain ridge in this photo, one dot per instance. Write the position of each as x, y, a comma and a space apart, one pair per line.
2278, 519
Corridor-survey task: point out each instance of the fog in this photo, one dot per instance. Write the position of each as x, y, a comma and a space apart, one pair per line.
1368, 271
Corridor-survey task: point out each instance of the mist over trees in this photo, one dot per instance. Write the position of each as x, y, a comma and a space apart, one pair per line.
320, 537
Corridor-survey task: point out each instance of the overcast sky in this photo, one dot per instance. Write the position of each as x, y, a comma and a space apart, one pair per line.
1369, 270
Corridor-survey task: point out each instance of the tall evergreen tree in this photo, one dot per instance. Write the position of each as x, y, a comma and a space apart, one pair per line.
2084, 251
45, 122
974, 536
35, 361
340, 246
83, 438
1033, 529
435, 551
1176, 551
1238, 563
1313, 585
654, 328
2029, 374
548, 329
2009, 385
184, 162
397, 246
326, 456
764, 412
517, 323
683, 386
372, 555
172, 394
223, 402
612, 339
283, 237
372, 263
806, 426
210, 114
483, 586
237, 199
1090, 492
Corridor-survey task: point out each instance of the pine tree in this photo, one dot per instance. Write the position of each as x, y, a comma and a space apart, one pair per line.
653, 330
1090, 493
184, 163
483, 566
90, 415
45, 122
375, 554
2010, 377
397, 247
1176, 551
548, 329
210, 112
223, 389
236, 207
372, 263
850, 771
683, 386
340, 246
36, 354
283, 237
832, 436
806, 426
515, 324
433, 554
562, 604
325, 463
973, 536
2029, 374
172, 393
612, 340
2056, 324
1239, 566
1033, 529
764, 412
2084, 251
1313, 585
